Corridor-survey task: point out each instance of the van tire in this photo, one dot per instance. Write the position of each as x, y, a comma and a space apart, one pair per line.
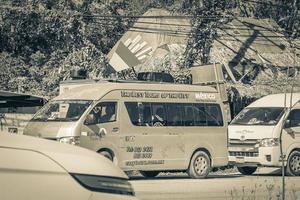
200, 165
293, 164
247, 170
107, 155
149, 174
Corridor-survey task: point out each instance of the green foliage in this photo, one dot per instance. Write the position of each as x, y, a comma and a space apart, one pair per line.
42, 40
284, 12
207, 17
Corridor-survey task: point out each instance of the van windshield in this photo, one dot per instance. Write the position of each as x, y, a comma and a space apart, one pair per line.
63, 110
258, 116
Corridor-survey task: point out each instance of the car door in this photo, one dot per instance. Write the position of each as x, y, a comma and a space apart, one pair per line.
148, 140
291, 136
101, 127
175, 136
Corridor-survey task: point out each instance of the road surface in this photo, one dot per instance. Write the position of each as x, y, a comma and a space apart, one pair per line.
231, 186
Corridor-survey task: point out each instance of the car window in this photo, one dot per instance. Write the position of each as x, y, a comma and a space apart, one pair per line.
174, 114
102, 113
294, 118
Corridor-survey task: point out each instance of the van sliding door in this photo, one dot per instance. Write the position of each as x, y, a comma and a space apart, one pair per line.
155, 145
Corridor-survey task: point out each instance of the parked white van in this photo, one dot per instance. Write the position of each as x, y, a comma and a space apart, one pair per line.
254, 134
151, 127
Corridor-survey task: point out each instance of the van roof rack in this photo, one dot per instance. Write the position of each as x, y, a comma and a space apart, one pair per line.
112, 81
133, 81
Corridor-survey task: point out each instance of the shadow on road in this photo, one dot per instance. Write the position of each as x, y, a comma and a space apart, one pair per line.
182, 177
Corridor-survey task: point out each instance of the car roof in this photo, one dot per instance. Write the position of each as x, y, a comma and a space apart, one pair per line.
276, 100
96, 90
72, 158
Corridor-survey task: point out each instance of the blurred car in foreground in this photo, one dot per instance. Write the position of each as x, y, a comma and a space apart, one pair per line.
35, 169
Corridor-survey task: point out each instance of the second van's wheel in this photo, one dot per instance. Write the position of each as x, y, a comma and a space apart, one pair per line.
107, 155
149, 174
293, 164
247, 170
200, 165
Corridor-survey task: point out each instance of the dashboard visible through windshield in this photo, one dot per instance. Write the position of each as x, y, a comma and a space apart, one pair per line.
258, 116
62, 110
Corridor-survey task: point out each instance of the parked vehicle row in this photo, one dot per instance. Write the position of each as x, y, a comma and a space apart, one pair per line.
147, 127
154, 127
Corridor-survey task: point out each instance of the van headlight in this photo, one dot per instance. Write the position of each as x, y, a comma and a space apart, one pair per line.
104, 184
269, 142
69, 140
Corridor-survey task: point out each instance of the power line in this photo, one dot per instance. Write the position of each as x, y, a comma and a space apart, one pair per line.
203, 17
268, 3
182, 27
154, 16
164, 29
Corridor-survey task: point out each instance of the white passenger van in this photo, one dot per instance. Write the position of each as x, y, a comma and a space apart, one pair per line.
254, 134
151, 127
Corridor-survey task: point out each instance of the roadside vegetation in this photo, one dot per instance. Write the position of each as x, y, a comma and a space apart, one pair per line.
266, 191
42, 40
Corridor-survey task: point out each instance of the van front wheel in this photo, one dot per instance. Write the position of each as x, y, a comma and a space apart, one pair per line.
293, 164
149, 174
107, 155
200, 165
247, 170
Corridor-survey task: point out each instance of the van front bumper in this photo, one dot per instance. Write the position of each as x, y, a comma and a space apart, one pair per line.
262, 156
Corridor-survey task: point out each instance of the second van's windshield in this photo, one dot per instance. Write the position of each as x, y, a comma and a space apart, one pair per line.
62, 110
258, 116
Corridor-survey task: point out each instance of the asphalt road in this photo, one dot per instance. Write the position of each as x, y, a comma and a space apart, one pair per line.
230, 186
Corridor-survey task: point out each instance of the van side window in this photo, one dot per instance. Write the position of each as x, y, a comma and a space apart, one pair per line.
294, 118
174, 114
145, 114
208, 115
214, 115
133, 112
102, 113
139, 113
189, 115
200, 115
158, 114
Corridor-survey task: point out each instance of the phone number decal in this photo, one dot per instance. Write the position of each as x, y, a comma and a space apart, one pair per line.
140, 152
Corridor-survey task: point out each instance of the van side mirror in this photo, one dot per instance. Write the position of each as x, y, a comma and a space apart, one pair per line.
287, 124
90, 119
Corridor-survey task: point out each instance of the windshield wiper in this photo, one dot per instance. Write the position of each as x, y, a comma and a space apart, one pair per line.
238, 123
40, 119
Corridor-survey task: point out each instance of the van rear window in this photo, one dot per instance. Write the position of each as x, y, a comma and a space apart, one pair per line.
174, 114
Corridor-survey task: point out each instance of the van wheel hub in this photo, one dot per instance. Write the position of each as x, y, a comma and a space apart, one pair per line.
200, 165
295, 164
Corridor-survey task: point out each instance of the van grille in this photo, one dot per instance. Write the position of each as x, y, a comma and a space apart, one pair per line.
243, 154
244, 143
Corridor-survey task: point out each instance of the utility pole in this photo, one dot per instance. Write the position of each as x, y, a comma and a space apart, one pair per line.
282, 156
287, 110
